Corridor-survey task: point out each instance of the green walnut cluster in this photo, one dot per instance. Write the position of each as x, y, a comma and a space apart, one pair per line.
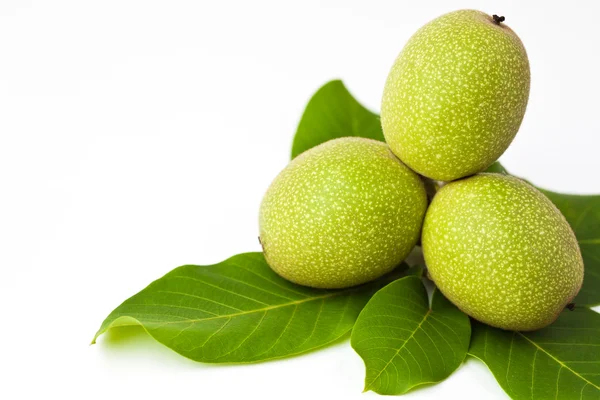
350, 210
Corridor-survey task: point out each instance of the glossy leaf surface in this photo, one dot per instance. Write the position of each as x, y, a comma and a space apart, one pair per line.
240, 311
406, 343
332, 113
561, 361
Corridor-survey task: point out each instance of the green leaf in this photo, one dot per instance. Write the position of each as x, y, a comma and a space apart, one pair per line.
332, 113
561, 361
404, 343
240, 311
583, 214
497, 168
416, 270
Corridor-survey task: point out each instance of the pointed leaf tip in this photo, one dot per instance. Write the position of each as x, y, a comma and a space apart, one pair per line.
333, 113
240, 311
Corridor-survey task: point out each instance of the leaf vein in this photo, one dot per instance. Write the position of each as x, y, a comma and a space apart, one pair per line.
561, 363
401, 347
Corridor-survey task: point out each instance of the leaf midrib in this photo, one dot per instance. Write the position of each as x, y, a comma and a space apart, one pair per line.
562, 364
258, 310
398, 351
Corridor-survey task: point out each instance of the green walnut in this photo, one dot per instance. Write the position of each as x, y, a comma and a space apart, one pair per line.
501, 252
341, 214
456, 95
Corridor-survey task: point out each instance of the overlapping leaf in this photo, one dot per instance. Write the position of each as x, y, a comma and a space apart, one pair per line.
561, 361
497, 168
239, 311
332, 113
405, 343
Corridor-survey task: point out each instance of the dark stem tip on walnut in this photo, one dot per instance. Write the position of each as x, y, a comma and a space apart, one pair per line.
498, 19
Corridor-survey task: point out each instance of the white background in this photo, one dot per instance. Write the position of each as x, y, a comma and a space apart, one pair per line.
136, 136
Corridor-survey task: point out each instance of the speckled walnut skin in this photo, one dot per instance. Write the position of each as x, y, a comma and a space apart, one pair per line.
341, 214
501, 252
456, 95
